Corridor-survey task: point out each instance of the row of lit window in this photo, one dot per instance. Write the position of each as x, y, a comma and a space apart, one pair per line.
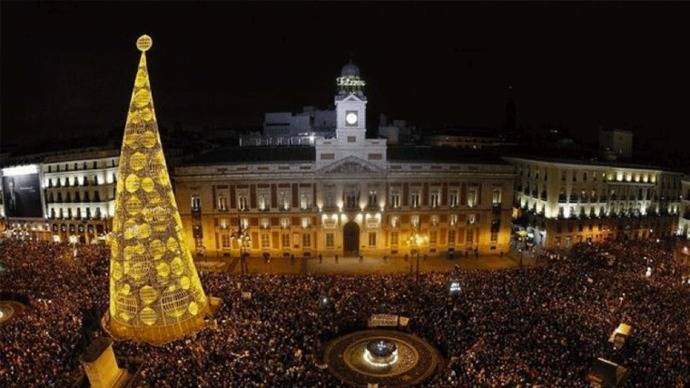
616, 209
306, 222
77, 197
619, 176
85, 181
68, 214
591, 196
351, 200
84, 166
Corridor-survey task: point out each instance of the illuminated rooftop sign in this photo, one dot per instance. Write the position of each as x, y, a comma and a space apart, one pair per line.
350, 81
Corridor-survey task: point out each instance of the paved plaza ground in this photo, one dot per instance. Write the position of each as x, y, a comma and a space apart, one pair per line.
355, 265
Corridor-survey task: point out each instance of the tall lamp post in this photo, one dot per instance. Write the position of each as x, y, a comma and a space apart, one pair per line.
73, 242
244, 239
416, 240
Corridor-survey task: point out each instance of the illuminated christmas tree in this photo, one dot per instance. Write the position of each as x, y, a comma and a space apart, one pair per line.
155, 292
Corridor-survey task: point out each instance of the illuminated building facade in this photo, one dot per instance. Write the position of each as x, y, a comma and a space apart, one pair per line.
346, 195
76, 196
568, 202
80, 194
155, 292
684, 219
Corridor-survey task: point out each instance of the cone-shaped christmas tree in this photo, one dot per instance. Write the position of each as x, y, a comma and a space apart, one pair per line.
155, 292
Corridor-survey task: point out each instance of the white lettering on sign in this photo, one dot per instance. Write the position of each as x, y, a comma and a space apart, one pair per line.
350, 81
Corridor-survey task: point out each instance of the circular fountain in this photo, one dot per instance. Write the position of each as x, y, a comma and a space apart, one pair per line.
385, 357
381, 352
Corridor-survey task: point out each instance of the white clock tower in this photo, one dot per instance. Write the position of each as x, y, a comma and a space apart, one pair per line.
350, 105
350, 140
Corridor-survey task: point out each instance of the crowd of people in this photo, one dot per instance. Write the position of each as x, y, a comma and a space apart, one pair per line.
539, 325
43, 344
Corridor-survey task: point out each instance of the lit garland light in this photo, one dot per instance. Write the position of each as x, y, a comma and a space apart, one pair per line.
155, 292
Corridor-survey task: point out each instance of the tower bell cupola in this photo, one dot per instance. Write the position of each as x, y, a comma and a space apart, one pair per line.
350, 82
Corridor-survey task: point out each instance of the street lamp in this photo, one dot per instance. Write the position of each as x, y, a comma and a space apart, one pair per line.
73, 242
416, 240
244, 239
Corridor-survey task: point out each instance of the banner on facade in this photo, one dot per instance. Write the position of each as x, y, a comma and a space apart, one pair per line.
22, 192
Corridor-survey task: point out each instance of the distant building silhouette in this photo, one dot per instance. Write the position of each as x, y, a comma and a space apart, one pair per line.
615, 144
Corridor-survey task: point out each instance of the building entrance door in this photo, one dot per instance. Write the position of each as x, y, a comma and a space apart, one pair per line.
351, 239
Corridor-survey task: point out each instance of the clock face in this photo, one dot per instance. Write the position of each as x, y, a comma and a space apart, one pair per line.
351, 118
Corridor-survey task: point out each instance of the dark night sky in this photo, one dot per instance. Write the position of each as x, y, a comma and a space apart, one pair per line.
68, 69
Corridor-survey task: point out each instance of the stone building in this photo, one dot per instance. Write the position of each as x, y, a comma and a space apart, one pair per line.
345, 195
79, 193
64, 196
570, 201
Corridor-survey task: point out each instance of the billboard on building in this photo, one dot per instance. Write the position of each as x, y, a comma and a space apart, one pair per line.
21, 190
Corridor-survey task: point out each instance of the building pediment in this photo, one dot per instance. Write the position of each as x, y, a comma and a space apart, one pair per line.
351, 165
352, 97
